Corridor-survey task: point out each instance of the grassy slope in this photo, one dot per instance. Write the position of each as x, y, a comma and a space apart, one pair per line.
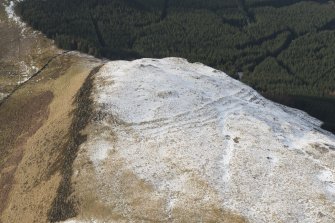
35, 130
35, 121
18, 49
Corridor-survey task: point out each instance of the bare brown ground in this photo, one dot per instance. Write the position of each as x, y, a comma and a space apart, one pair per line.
35, 124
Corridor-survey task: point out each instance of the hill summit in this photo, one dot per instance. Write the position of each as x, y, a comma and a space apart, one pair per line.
182, 142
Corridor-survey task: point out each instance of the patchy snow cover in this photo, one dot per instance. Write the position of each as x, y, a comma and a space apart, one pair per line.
25, 64
2, 96
171, 138
9, 8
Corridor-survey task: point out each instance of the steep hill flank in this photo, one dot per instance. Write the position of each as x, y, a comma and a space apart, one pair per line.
38, 87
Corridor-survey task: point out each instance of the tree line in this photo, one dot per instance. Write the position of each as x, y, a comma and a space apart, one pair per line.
281, 47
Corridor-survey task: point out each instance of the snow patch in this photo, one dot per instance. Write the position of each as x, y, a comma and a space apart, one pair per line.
328, 180
100, 152
9, 8
3, 95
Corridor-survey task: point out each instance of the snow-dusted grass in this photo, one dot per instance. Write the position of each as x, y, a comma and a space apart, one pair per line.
175, 124
23, 49
9, 8
2, 96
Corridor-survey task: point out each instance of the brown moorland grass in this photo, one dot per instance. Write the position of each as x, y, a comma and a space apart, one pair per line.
35, 127
63, 206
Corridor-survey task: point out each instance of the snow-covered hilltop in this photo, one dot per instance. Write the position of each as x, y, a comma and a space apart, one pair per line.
180, 142
167, 141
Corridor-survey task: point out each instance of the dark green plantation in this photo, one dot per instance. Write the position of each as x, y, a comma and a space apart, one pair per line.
284, 48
